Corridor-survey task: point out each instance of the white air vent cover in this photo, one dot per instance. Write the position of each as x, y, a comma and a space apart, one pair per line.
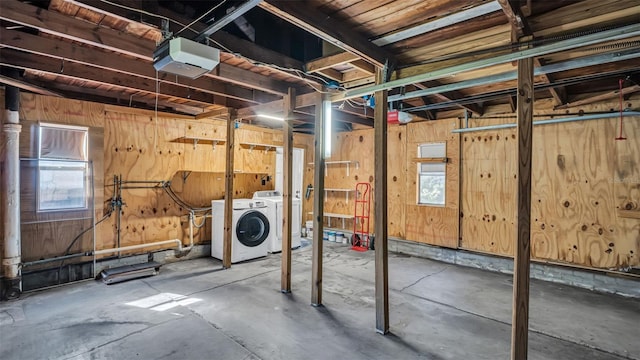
186, 58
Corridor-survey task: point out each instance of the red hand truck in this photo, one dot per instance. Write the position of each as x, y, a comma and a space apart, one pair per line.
361, 237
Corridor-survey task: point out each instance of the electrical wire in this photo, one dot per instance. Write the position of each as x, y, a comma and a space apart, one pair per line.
294, 72
66, 252
201, 16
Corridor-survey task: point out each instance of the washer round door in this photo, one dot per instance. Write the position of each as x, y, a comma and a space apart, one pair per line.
252, 228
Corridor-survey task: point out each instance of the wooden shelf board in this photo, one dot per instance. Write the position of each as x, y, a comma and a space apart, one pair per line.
199, 140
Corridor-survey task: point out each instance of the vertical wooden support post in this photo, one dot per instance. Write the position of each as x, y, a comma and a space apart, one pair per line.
228, 191
289, 106
380, 198
318, 204
520, 319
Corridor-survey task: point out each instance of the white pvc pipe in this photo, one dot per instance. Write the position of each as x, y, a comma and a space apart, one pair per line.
549, 121
178, 243
11, 197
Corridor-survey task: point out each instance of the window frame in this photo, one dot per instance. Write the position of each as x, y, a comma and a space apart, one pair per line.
439, 150
49, 164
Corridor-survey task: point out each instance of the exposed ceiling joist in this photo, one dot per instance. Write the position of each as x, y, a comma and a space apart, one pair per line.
118, 97
520, 27
77, 30
559, 94
451, 96
511, 9
276, 107
75, 71
440, 23
590, 39
600, 97
512, 75
330, 61
28, 86
227, 19
229, 43
364, 66
329, 29
67, 52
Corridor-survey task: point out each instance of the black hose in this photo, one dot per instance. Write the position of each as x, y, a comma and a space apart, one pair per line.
66, 252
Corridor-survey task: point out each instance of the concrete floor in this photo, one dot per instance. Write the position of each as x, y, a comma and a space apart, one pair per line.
194, 310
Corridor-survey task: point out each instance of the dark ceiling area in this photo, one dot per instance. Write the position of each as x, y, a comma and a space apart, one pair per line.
257, 26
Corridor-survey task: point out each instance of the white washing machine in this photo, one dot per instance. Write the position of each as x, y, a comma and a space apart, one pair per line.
274, 201
250, 228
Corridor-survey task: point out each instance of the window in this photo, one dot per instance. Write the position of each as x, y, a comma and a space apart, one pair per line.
432, 173
62, 167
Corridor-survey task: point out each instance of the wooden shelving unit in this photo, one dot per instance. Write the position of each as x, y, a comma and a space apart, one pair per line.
338, 162
345, 191
330, 216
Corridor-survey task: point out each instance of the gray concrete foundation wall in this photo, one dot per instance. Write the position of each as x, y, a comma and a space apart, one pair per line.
604, 282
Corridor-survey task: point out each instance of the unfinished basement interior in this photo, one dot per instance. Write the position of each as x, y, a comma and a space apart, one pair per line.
320, 179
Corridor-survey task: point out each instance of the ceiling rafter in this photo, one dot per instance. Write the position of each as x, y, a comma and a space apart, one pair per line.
77, 30
600, 97
28, 86
67, 52
231, 42
329, 29
451, 96
520, 28
16, 59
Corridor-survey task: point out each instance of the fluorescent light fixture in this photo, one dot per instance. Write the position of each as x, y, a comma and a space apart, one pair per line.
270, 117
327, 128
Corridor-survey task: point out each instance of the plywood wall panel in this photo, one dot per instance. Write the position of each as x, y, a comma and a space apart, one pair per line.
397, 180
435, 225
204, 156
488, 189
574, 203
141, 147
581, 178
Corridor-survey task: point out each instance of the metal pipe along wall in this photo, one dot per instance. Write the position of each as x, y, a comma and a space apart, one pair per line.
11, 257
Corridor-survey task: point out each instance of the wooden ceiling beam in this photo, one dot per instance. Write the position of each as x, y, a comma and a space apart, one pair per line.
75, 71
68, 52
58, 24
28, 86
115, 97
64, 26
364, 66
332, 74
235, 45
451, 96
430, 114
275, 107
330, 61
329, 29
354, 74
559, 93
520, 27
231, 42
600, 97
511, 9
